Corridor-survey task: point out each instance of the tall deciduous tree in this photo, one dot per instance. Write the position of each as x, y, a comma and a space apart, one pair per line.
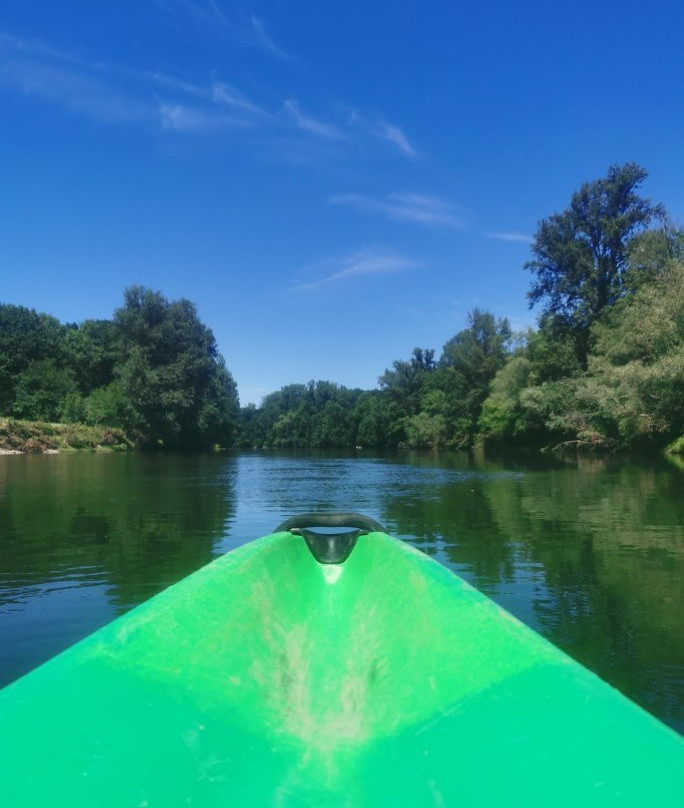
581, 255
479, 350
403, 383
177, 387
468, 364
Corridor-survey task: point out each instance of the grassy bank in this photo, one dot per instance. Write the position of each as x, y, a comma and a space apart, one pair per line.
37, 437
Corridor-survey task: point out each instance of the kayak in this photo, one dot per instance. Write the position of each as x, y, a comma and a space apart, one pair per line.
326, 667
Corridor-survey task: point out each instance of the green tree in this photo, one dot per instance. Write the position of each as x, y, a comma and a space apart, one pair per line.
377, 419
286, 417
630, 393
250, 433
25, 336
91, 350
334, 426
469, 362
478, 350
105, 405
650, 252
318, 414
45, 392
552, 353
581, 255
178, 390
402, 386
502, 416
633, 390
426, 431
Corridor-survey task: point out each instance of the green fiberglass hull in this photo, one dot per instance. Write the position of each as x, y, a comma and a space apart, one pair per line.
268, 679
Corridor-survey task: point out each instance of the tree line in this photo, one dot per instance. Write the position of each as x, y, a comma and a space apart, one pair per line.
605, 367
153, 369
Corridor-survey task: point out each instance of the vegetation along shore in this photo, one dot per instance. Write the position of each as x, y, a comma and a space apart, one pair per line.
604, 368
21, 437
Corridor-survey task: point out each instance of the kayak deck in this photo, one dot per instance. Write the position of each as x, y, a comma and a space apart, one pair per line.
267, 678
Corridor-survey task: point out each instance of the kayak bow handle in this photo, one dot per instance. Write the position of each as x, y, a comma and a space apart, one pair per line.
330, 548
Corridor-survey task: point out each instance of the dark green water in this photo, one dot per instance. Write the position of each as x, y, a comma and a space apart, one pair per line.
590, 553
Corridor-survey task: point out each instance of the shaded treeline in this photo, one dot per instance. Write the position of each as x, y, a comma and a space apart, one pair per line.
604, 368
421, 401
153, 370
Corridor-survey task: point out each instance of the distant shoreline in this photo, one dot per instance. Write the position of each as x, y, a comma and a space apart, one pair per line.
19, 437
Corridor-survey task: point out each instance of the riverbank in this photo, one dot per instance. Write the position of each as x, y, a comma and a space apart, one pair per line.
36, 437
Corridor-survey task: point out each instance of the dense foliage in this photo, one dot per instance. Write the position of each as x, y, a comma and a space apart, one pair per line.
604, 368
153, 370
581, 256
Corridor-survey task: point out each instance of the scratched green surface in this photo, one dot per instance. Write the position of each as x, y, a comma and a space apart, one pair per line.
266, 679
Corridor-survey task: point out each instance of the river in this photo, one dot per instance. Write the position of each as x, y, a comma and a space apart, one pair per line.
589, 552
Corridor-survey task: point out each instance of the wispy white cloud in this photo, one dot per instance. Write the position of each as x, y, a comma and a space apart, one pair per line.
33, 68
186, 118
367, 262
234, 21
309, 124
214, 8
230, 97
379, 128
512, 236
394, 135
177, 117
175, 85
13, 44
419, 208
116, 94
113, 94
215, 96
265, 40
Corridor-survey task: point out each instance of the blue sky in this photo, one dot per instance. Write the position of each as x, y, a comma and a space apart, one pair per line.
332, 183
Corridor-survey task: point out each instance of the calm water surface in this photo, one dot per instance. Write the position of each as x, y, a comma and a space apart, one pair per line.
590, 553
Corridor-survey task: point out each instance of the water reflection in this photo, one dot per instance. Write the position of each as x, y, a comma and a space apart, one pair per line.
83, 538
588, 552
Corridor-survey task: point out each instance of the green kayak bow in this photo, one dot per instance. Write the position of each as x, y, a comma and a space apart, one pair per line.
326, 669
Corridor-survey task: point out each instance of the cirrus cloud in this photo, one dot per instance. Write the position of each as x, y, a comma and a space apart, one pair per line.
370, 261
512, 236
424, 209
